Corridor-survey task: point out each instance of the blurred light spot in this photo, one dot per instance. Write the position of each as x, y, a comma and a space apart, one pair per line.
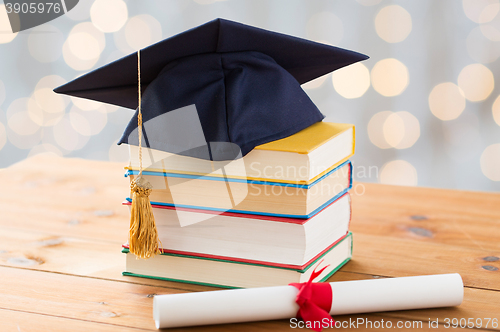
21, 123
476, 81
45, 43
325, 26
24, 142
109, 15
80, 12
47, 99
89, 28
18, 118
489, 12
6, 35
389, 77
79, 123
139, 32
118, 153
108, 108
17, 105
490, 162
84, 46
412, 130
2, 92
491, 30
88, 123
480, 11
399, 172
3, 136
85, 104
45, 149
369, 2
496, 110
351, 81
41, 117
76, 63
394, 129
121, 42
67, 137
401, 130
398, 130
446, 101
375, 129
314, 84
393, 24
22, 132
480, 48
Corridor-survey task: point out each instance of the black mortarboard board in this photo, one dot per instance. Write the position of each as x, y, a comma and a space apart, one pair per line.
244, 82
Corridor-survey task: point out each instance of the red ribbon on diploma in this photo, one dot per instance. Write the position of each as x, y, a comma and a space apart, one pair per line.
314, 300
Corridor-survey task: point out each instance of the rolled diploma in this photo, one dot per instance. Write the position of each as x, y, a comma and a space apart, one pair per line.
269, 303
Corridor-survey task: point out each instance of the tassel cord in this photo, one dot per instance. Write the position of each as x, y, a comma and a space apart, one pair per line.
143, 234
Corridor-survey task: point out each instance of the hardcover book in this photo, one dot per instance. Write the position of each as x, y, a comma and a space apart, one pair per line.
224, 272
300, 158
246, 196
278, 240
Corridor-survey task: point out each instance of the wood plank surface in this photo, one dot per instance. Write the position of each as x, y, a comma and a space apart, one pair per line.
62, 225
27, 321
126, 304
467, 219
13, 320
34, 250
66, 197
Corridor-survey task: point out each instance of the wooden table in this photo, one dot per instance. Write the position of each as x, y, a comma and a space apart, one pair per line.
62, 226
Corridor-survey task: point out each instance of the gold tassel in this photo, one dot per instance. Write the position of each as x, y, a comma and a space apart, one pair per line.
143, 235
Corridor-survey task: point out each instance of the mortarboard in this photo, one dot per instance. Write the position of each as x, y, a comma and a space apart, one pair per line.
244, 82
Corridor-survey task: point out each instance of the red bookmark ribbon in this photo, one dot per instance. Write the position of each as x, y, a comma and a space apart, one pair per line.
314, 300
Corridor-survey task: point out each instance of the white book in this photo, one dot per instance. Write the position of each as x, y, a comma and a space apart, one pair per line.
257, 238
222, 272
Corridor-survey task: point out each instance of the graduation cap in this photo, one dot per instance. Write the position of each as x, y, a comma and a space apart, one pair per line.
244, 81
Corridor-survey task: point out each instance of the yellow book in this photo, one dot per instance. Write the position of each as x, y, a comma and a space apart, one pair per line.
300, 158
309, 139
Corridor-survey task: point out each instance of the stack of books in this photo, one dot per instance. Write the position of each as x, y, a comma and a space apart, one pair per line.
266, 219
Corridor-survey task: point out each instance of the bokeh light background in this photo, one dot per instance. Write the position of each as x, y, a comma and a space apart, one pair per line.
425, 105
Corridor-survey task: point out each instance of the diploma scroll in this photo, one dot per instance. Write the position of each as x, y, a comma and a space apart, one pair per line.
269, 303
